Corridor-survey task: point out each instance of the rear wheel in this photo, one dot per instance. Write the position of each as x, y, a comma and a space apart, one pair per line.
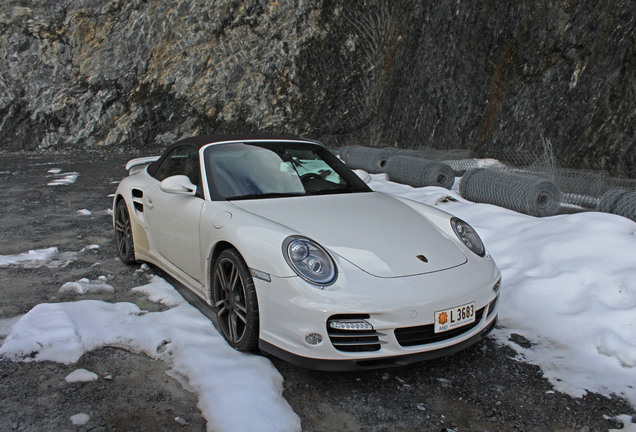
123, 234
234, 300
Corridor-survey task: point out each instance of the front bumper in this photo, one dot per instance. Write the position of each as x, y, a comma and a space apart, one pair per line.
401, 311
373, 363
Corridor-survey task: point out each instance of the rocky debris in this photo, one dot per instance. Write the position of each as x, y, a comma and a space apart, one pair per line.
495, 78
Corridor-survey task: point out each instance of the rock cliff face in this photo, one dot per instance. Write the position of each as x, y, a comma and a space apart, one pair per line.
498, 78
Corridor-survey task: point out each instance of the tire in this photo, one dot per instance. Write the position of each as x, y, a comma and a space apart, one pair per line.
234, 301
123, 234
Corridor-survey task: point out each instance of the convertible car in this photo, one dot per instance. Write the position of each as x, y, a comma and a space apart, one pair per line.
299, 258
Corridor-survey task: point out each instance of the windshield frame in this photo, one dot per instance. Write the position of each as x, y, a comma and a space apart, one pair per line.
354, 183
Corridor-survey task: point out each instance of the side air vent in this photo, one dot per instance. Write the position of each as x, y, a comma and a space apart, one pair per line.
138, 198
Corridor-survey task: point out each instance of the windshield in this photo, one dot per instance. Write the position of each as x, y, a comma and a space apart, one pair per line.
257, 170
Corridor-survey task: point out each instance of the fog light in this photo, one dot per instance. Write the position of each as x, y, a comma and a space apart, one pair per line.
351, 324
313, 338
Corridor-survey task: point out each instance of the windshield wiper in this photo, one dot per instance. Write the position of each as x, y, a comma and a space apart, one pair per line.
264, 195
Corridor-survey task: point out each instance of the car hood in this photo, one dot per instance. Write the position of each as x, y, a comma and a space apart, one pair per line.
375, 232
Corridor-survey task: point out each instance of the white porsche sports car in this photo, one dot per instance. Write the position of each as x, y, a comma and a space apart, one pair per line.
298, 257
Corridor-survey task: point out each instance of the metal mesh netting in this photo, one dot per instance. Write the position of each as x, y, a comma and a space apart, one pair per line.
524, 193
460, 166
576, 190
578, 187
619, 202
370, 159
419, 172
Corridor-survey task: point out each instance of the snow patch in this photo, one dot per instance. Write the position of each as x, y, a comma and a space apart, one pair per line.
63, 179
84, 286
196, 353
84, 212
160, 291
569, 287
80, 375
80, 419
49, 257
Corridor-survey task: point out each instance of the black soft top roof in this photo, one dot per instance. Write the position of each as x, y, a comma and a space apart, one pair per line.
202, 140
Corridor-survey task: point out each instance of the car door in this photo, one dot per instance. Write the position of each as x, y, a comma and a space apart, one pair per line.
173, 218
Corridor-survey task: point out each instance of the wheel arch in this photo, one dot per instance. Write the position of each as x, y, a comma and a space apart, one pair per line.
116, 201
139, 234
217, 249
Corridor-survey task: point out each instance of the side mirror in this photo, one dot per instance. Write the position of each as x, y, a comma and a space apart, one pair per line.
365, 176
178, 184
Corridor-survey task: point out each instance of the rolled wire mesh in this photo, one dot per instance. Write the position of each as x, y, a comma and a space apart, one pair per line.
423, 153
419, 172
370, 159
524, 193
578, 189
619, 202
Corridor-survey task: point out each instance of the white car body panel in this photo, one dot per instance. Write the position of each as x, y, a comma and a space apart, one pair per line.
179, 240
358, 228
373, 238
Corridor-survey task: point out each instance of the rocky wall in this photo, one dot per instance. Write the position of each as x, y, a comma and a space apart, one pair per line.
499, 78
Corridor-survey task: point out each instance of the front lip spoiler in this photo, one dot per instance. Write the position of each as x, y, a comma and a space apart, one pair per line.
373, 363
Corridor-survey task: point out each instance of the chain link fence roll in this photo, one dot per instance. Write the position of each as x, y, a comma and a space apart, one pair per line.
372, 160
419, 172
619, 202
524, 193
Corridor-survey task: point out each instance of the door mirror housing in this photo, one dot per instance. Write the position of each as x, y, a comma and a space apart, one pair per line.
178, 184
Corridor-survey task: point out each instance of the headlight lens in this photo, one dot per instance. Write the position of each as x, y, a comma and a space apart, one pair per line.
468, 236
309, 260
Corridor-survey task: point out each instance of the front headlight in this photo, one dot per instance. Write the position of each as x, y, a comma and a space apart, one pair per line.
468, 236
309, 260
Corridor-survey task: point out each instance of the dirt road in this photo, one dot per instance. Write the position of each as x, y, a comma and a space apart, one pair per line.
482, 388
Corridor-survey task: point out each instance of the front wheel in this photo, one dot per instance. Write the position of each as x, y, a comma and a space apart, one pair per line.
234, 300
123, 234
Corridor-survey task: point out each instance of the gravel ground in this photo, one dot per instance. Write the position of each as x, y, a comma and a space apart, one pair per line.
480, 389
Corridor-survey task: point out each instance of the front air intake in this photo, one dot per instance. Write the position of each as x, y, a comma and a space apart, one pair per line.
422, 335
352, 333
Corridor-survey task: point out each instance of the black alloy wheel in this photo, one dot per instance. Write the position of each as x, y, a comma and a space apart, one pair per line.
234, 300
123, 234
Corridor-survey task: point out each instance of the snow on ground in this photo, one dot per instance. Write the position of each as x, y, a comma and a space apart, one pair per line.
49, 257
197, 354
84, 286
569, 287
80, 419
84, 212
80, 375
63, 179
